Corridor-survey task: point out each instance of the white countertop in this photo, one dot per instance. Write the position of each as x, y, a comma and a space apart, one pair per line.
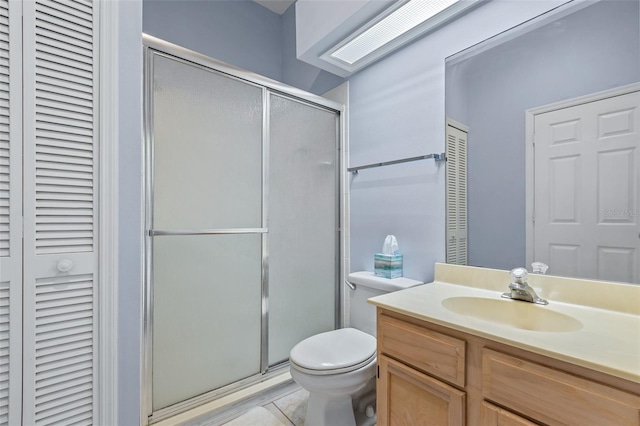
607, 341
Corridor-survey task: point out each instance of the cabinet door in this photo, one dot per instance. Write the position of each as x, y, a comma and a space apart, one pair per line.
496, 416
408, 397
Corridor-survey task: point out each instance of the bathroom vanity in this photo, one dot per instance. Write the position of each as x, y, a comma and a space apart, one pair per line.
454, 353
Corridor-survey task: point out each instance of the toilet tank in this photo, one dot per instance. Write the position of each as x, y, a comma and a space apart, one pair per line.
363, 314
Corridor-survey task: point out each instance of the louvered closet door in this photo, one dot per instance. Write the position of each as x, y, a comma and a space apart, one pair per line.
59, 211
456, 196
10, 213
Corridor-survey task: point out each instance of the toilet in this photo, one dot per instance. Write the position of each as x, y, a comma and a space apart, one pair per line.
338, 368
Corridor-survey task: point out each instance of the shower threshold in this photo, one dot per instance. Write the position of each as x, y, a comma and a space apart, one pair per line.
227, 402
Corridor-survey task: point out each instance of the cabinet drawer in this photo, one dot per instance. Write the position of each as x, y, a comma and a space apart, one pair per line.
552, 396
434, 353
496, 416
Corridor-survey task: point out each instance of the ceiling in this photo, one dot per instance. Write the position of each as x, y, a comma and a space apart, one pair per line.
277, 6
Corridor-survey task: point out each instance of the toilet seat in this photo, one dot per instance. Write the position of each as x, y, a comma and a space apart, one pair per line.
334, 352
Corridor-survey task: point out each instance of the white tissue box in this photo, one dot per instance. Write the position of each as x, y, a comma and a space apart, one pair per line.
387, 265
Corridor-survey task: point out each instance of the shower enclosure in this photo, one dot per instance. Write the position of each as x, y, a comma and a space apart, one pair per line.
242, 225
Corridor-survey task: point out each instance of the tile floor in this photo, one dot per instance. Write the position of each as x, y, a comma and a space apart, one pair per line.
284, 406
287, 410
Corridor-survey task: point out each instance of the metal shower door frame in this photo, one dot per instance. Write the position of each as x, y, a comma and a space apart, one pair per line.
156, 47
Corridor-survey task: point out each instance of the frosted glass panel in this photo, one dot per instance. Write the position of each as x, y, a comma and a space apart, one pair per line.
207, 149
302, 224
206, 313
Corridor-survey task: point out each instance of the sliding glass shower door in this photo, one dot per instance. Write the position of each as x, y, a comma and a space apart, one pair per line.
243, 229
207, 224
303, 234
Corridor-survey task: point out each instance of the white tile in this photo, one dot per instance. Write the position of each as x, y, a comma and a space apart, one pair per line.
278, 414
257, 416
215, 412
294, 406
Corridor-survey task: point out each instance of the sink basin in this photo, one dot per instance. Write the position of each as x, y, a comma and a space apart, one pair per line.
512, 313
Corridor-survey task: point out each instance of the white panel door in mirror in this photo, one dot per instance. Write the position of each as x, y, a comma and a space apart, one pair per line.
586, 189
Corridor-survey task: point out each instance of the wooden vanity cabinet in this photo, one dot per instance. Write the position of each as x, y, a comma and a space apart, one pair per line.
433, 375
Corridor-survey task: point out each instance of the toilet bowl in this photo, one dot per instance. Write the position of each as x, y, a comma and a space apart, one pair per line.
338, 368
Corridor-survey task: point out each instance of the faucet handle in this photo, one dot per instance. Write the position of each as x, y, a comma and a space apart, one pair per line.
519, 275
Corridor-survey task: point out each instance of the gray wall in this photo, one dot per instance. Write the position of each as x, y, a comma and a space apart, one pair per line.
397, 111
297, 73
594, 49
130, 216
238, 32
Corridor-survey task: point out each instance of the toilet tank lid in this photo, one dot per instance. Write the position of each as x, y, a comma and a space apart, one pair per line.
368, 279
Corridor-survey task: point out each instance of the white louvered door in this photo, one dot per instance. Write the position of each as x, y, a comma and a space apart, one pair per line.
10, 213
60, 224
456, 187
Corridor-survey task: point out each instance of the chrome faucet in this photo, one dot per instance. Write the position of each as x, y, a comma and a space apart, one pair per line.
520, 290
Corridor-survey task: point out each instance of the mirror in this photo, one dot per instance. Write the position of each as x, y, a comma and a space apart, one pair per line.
580, 48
